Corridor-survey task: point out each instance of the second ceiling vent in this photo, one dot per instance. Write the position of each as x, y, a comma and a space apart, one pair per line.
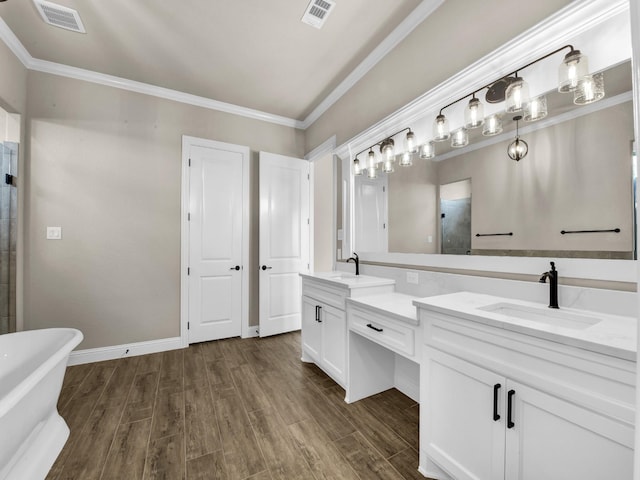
317, 12
59, 16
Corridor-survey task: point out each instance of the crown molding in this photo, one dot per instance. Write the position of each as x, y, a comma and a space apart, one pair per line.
31, 63
160, 92
569, 22
415, 18
422, 11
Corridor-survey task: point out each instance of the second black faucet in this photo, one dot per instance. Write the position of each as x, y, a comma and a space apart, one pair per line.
356, 260
552, 275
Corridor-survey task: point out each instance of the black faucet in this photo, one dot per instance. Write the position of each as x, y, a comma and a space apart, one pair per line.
553, 285
356, 261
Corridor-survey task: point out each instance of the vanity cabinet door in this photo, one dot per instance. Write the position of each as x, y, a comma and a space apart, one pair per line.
311, 329
464, 427
334, 342
558, 440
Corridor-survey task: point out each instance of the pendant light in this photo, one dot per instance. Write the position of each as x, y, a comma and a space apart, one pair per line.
410, 142
357, 168
536, 109
573, 67
590, 89
516, 95
517, 149
440, 128
387, 166
460, 138
387, 149
372, 165
427, 151
492, 125
474, 113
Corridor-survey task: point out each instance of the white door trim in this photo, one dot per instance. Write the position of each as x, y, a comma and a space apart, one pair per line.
188, 141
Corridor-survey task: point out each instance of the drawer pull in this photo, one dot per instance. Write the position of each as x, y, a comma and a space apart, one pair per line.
318, 310
510, 395
374, 328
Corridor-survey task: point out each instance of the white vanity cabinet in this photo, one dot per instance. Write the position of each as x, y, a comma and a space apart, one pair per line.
502, 404
324, 324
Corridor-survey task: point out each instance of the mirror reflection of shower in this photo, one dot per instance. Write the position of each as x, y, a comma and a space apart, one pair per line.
455, 215
8, 235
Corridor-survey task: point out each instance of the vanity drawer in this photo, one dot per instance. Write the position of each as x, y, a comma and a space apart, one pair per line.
391, 334
325, 294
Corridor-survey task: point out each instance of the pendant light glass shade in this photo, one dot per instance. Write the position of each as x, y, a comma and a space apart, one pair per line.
492, 125
460, 138
410, 142
440, 128
406, 160
536, 109
574, 66
357, 168
590, 89
372, 165
517, 149
387, 166
516, 95
387, 150
427, 151
474, 114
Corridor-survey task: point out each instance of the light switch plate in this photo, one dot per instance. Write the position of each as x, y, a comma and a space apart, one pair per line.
54, 233
412, 277
340, 234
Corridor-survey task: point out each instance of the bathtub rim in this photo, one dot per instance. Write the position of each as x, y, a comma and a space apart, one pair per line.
13, 397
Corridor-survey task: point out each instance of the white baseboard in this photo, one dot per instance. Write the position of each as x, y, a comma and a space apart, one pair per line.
91, 355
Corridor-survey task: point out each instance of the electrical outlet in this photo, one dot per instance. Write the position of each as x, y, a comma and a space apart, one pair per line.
412, 277
430, 239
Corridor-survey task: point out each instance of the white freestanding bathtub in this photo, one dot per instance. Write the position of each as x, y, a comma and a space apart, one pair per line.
32, 433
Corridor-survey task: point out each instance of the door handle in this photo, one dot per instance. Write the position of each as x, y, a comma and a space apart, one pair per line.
264, 267
496, 389
510, 395
237, 267
374, 328
318, 313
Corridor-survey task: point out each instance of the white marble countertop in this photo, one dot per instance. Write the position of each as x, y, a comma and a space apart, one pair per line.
609, 334
395, 305
348, 280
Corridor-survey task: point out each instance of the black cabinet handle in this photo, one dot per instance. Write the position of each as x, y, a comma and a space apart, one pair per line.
316, 313
318, 310
510, 395
496, 389
264, 267
374, 328
237, 267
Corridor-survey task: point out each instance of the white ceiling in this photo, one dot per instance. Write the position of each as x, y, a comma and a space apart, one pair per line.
250, 53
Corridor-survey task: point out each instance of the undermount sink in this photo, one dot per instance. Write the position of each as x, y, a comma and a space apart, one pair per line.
340, 275
559, 318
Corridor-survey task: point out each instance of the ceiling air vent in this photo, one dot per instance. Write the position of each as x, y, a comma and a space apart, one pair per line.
59, 16
317, 12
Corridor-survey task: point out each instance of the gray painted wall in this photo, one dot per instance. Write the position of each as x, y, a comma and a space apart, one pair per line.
105, 165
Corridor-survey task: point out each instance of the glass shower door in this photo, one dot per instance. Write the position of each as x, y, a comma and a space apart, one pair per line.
8, 235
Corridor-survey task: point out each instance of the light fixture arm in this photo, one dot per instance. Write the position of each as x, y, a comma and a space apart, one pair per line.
381, 141
515, 72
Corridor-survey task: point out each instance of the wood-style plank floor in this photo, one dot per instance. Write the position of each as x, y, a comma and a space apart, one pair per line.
230, 409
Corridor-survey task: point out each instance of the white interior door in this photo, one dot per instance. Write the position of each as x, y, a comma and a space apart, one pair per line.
216, 238
284, 240
370, 199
